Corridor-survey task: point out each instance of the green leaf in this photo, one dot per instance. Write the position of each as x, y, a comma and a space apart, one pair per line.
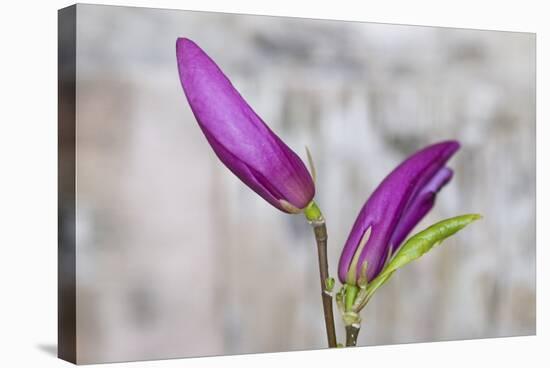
374, 285
425, 240
418, 245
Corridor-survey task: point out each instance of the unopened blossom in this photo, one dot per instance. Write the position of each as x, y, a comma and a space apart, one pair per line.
238, 136
403, 198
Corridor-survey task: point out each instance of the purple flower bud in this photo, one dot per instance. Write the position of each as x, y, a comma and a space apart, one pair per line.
239, 137
403, 198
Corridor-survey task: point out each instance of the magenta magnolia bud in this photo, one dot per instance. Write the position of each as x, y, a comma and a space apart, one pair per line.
239, 137
403, 198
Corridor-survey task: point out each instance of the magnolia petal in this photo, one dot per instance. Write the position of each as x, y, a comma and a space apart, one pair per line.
419, 206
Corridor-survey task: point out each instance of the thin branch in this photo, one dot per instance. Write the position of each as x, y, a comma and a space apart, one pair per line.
320, 231
352, 331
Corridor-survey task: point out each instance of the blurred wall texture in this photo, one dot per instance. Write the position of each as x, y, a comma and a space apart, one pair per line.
176, 257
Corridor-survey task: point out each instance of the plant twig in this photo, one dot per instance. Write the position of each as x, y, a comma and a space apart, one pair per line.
320, 230
352, 331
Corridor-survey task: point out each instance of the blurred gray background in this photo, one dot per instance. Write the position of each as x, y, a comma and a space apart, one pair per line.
176, 257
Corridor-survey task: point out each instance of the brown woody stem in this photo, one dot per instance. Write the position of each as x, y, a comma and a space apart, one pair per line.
320, 231
352, 331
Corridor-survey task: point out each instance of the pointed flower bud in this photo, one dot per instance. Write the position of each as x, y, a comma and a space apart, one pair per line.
403, 198
238, 136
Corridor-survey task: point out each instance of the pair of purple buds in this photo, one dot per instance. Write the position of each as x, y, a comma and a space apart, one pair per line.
248, 147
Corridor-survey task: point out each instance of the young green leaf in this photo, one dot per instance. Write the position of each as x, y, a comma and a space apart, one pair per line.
418, 245
425, 240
